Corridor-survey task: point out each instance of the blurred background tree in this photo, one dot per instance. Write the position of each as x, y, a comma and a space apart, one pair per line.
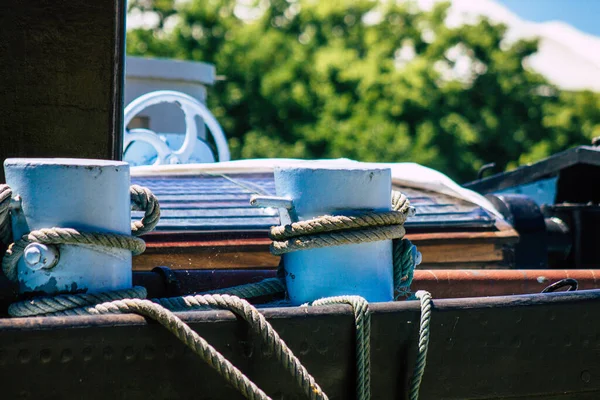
372, 81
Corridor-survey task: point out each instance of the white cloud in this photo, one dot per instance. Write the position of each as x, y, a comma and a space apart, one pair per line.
567, 57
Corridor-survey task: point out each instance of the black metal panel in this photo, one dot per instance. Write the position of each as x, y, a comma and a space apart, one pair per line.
61, 74
518, 347
217, 202
582, 221
526, 217
548, 167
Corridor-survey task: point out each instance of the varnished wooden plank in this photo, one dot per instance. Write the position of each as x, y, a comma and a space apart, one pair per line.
256, 255
453, 253
206, 260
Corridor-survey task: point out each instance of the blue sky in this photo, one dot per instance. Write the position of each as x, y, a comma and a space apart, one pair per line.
582, 14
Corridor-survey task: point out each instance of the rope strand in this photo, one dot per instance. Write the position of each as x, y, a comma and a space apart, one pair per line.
362, 321
319, 232
424, 332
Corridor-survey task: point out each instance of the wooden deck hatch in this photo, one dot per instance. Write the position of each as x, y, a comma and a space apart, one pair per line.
207, 222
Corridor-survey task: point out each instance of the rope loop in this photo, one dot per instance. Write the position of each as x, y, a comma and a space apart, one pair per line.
319, 232
424, 332
337, 230
64, 236
142, 199
162, 310
362, 321
5, 230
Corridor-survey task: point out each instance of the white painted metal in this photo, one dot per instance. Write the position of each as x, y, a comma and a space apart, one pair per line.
87, 195
359, 269
144, 75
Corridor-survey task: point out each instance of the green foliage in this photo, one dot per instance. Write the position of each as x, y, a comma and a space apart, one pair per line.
369, 80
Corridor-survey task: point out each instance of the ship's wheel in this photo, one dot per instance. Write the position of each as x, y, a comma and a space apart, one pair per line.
164, 154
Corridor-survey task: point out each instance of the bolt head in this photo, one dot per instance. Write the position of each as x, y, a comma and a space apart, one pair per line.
38, 256
32, 255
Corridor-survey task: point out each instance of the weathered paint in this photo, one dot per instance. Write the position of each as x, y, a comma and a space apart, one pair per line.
360, 269
88, 195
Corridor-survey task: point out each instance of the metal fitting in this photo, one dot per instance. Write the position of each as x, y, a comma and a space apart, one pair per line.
275, 202
417, 256
40, 256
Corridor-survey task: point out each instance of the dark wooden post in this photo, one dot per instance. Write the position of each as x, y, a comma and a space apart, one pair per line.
61, 78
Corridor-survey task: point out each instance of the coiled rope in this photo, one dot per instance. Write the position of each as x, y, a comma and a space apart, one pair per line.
362, 322
339, 230
142, 199
133, 300
319, 232
365, 227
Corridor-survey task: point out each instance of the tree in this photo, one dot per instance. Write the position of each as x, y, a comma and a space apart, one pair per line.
373, 81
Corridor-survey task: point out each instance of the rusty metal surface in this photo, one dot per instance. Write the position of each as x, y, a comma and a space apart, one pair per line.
488, 282
441, 283
519, 347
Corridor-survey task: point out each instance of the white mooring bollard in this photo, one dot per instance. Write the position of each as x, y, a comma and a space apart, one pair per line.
357, 269
87, 195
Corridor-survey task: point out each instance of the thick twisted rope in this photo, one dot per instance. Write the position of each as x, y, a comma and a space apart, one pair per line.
365, 227
327, 230
67, 236
188, 336
5, 231
320, 232
404, 255
362, 320
260, 326
265, 287
141, 199
129, 301
424, 332
71, 304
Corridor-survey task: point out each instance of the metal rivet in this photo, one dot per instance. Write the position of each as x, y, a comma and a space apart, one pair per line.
107, 353
32, 255
129, 354
24, 356
322, 348
169, 352
66, 356
586, 376
149, 353
87, 354
45, 356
